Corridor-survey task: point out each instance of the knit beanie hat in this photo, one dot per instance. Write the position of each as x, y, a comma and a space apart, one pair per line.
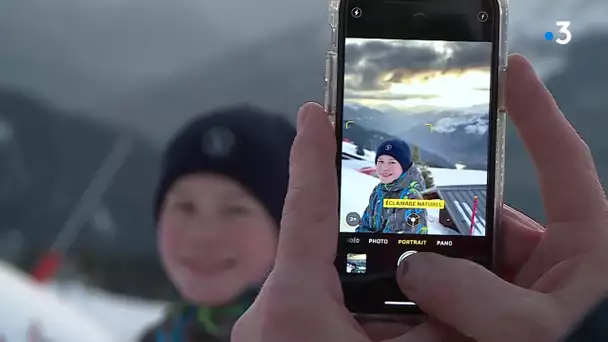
397, 149
246, 144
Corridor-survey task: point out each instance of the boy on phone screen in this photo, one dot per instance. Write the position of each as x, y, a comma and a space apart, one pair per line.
399, 179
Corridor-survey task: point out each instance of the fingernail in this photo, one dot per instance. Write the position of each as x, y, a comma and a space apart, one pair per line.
306, 111
303, 114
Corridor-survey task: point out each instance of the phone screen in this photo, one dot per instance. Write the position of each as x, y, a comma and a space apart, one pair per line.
416, 123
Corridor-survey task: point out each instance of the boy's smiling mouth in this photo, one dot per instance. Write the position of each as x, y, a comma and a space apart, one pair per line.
208, 267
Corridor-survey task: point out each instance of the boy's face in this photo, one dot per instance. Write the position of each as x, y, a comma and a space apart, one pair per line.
388, 169
215, 239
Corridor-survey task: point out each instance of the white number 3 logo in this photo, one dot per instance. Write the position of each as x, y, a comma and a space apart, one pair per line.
564, 29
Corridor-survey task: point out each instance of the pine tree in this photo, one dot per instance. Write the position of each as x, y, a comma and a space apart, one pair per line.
416, 155
429, 182
360, 150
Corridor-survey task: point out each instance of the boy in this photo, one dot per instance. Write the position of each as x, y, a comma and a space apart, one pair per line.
218, 207
399, 179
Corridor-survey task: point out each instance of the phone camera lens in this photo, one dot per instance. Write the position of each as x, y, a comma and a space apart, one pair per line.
356, 12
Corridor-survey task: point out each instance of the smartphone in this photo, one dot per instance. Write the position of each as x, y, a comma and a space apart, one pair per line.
416, 89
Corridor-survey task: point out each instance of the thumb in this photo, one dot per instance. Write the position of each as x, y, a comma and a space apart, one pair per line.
471, 299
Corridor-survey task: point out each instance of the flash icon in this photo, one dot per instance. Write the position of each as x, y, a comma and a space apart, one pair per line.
482, 16
356, 12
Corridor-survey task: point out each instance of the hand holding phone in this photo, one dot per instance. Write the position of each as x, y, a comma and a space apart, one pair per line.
301, 301
416, 88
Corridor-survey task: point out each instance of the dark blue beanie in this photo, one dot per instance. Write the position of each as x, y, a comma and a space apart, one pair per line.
397, 149
246, 144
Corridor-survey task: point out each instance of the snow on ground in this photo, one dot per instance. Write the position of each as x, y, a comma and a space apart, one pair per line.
356, 189
70, 312
356, 164
446, 177
24, 304
436, 228
126, 318
351, 149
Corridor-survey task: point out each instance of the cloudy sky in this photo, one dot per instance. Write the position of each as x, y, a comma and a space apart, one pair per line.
414, 76
141, 62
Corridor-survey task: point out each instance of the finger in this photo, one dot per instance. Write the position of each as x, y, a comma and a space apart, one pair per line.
430, 332
471, 299
563, 161
380, 328
518, 237
379, 331
525, 220
406, 320
309, 228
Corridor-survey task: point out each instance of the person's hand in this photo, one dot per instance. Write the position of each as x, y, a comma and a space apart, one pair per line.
564, 275
302, 301
518, 236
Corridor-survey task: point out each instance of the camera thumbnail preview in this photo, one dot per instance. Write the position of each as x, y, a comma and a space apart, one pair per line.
356, 263
415, 137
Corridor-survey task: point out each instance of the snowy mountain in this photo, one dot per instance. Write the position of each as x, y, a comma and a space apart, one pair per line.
471, 124
460, 139
458, 136
369, 139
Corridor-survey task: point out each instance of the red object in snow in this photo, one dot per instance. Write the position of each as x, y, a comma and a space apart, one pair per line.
368, 170
47, 266
473, 215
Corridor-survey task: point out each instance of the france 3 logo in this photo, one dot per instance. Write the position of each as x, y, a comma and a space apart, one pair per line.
563, 35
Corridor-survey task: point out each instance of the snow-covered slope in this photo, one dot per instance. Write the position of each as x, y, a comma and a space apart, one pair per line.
356, 188
126, 318
24, 304
351, 149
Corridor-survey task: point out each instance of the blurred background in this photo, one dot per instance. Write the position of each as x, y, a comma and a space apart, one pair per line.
90, 87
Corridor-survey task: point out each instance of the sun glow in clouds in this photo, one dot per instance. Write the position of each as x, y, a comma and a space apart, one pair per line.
451, 90
440, 85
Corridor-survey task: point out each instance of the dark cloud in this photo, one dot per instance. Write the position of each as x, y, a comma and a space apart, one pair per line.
278, 79
81, 53
375, 59
469, 56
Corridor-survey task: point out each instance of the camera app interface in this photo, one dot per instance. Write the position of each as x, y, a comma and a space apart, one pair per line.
416, 150
417, 131
415, 139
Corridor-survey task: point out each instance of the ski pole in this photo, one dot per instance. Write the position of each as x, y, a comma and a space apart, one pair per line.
475, 200
51, 261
